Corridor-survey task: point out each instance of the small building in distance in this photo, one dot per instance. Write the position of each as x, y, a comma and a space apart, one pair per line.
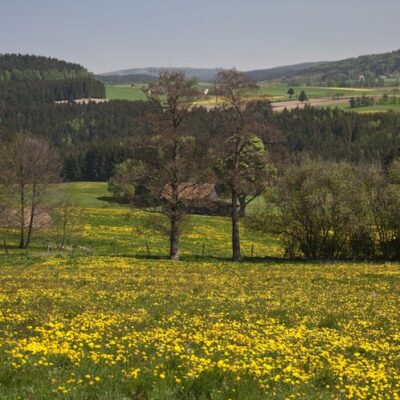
200, 198
83, 101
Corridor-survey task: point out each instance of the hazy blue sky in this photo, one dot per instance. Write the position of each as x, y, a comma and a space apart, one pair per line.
109, 35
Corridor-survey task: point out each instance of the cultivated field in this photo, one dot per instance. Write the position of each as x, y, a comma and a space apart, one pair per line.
125, 92
108, 320
277, 94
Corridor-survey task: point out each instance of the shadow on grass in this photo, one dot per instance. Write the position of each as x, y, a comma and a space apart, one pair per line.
110, 199
14, 250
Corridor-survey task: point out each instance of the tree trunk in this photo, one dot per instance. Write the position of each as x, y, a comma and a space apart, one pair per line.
64, 227
30, 228
235, 228
22, 219
174, 239
31, 218
242, 210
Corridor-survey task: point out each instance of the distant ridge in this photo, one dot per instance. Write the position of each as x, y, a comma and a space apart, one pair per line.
281, 72
363, 70
202, 74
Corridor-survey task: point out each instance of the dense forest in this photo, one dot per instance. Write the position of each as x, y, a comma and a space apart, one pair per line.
18, 67
26, 79
93, 138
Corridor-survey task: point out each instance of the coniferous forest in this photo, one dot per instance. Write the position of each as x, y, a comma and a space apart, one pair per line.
93, 138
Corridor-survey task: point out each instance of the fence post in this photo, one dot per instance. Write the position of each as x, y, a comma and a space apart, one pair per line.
203, 249
252, 250
148, 249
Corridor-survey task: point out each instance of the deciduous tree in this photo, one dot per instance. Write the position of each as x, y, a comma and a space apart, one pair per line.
290, 92
168, 167
30, 166
241, 160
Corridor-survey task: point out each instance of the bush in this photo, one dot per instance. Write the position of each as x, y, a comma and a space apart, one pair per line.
330, 211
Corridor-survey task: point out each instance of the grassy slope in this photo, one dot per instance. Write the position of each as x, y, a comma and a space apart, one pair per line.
124, 92
99, 326
110, 227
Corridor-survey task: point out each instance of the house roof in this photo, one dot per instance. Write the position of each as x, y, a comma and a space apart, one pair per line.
191, 191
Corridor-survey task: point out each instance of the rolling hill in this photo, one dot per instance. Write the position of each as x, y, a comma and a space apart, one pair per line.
136, 75
281, 72
367, 70
361, 71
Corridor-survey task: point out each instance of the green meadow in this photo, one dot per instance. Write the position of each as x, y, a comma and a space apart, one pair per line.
279, 91
125, 92
107, 227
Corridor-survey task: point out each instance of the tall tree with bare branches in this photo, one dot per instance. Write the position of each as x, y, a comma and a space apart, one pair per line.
168, 168
30, 166
241, 165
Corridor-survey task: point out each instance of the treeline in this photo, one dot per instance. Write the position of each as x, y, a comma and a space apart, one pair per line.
27, 93
364, 101
333, 134
93, 134
367, 101
18, 67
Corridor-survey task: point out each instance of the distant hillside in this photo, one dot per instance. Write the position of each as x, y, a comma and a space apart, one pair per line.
202, 74
280, 72
367, 70
35, 79
126, 79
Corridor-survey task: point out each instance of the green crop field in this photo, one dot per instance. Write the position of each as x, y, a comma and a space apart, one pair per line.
110, 318
125, 92
134, 92
279, 92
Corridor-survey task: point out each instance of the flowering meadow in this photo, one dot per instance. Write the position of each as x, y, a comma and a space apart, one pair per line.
121, 328
117, 324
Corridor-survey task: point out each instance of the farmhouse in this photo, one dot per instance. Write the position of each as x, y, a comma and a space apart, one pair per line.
200, 198
83, 101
